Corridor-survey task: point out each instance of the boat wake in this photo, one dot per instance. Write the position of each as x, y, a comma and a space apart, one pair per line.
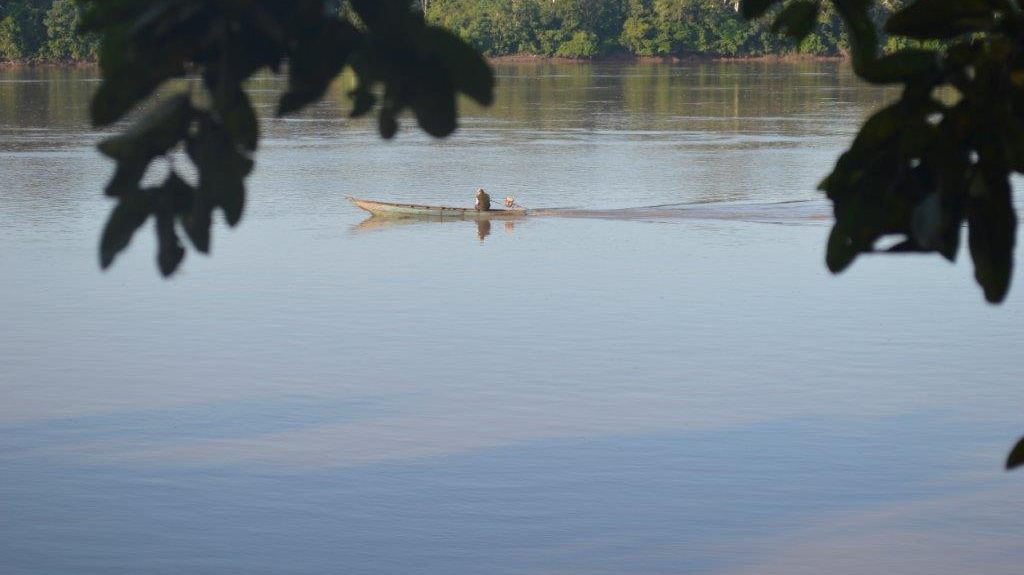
788, 212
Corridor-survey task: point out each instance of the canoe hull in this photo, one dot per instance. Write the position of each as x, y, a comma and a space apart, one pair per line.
387, 209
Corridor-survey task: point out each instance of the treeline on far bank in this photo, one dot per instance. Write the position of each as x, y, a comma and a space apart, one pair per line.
592, 28
43, 30
47, 30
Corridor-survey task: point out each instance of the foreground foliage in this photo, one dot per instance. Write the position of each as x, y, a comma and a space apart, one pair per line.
942, 154
400, 62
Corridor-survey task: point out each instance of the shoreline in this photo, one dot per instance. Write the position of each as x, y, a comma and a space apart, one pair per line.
535, 58
633, 59
10, 64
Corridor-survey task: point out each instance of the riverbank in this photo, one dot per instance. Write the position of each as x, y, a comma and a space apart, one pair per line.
517, 58
18, 64
630, 58
527, 58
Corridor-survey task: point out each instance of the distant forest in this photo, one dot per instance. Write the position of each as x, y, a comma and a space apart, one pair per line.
43, 30
47, 30
590, 28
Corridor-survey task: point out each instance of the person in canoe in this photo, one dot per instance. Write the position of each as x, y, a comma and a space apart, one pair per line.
483, 201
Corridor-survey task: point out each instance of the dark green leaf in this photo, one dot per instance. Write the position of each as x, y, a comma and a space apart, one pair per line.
1016, 457
170, 253
797, 19
127, 176
434, 104
466, 68
383, 17
156, 133
222, 169
1013, 141
941, 19
129, 214
880, 127
861, 31
315, 60
232, 200
992, 233
906, 246
170, 199
98, 15
953, 214
195, 211
183, 200
119, 94
240, 120
166, 19
387, 124
927, 222
901, 66
197, 227
362, 102
387, 121
753, 8
133, 68
841, 250
230, 62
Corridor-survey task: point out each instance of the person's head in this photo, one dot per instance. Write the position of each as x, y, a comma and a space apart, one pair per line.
480, 191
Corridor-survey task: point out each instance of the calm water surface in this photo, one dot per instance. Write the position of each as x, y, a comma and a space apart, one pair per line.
664, 394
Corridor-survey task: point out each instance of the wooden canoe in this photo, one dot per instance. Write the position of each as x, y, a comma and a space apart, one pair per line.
387, 209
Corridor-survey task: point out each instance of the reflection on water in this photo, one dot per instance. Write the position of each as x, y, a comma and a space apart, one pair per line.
483, 229
378, 223
647, 379
374, 223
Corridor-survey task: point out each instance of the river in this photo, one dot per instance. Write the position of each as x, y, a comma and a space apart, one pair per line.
685, 389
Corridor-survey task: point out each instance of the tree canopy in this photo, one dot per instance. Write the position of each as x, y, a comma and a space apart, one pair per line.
585, 28
43, 30
942, 154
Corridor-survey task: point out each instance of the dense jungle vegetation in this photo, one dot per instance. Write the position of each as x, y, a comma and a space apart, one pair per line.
47, 30
43, 30
589, 28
